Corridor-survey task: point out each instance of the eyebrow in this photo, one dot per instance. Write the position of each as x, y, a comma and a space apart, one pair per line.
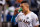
26, 4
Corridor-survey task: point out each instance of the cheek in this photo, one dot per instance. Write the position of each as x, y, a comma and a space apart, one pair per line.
25, 8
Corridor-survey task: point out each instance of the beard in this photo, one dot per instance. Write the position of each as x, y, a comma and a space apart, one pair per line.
24, 11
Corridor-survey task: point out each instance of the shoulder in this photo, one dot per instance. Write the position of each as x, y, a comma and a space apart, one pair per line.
34, 15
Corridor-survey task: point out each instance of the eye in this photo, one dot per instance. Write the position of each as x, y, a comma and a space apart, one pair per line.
22, 6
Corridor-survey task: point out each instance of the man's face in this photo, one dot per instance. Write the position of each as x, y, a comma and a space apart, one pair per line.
24, 6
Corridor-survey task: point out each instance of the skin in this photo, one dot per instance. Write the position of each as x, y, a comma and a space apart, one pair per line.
16, 11
26, 10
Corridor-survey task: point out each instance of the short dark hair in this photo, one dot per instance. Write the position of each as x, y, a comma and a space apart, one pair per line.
24, 2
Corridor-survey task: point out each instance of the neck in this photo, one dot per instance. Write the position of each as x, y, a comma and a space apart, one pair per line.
27, 12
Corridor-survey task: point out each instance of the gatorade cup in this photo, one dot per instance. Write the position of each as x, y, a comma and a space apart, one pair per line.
20, 10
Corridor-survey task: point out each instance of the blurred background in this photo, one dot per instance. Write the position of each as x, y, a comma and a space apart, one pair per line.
8, 8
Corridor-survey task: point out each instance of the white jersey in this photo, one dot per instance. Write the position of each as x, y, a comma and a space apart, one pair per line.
31, 20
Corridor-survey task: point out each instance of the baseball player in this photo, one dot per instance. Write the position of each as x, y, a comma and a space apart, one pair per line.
27, 18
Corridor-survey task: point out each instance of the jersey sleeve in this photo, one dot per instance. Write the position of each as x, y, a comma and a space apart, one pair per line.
35, 20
